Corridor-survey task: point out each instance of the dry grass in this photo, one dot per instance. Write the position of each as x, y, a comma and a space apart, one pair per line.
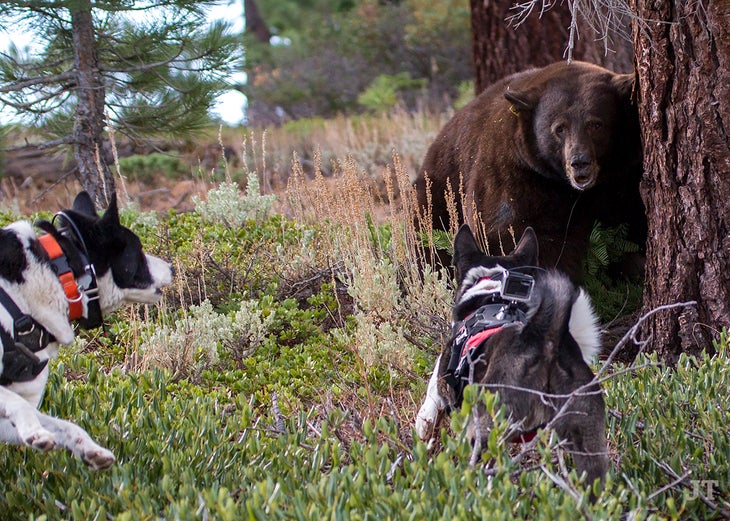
321, 144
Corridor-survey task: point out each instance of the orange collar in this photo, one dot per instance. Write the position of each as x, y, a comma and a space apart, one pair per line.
65, 275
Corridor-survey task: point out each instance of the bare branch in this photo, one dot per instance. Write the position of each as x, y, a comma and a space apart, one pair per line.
681, 480
597, 379
68, 140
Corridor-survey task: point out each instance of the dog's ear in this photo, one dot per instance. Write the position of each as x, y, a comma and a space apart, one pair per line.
465, 247
526, 252
111, 215
84, 204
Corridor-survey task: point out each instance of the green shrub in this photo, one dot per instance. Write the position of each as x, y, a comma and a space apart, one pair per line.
226, 204
382, 94
280, 417
147, 167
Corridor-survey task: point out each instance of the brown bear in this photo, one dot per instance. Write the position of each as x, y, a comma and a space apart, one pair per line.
555, 148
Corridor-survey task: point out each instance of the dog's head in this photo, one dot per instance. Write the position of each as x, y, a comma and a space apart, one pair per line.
474, 267
125, 274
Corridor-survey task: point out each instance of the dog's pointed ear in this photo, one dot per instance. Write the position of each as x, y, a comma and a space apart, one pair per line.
526, 251
84, 204
465, 246
111, 215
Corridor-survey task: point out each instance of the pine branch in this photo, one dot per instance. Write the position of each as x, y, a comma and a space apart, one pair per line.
68, 140
40, 80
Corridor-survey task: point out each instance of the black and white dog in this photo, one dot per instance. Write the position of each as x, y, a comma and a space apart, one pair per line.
528, 338
90, 266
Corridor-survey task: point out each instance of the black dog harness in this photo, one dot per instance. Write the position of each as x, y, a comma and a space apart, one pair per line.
20, 362
469, 336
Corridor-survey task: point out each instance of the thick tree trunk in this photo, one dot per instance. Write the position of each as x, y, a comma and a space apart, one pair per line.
683, 61
499, 49
89, 120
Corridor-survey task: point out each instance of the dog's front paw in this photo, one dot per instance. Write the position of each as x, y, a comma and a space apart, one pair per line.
40, 439
424, 428
426, 424
98, 458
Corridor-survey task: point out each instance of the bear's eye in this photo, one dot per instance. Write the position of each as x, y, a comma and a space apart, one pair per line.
595, 125
559, 129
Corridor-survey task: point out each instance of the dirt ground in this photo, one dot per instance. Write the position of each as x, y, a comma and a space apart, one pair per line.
33, 180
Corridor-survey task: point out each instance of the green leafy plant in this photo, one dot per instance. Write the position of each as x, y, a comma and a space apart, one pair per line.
382, 94
147, 167
606, 246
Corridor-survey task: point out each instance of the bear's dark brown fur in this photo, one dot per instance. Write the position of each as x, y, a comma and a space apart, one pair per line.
555, 148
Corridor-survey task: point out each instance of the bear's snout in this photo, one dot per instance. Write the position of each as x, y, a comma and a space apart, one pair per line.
582, 172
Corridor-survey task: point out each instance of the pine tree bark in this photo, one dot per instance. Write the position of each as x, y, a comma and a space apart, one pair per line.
683, 61
499, 49
89, 119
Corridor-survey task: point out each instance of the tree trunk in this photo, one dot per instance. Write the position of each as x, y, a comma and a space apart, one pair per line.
89, 120
254, 23
499, 49
683, 62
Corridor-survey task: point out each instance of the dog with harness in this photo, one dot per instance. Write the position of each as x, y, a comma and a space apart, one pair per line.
528, 335
78, 268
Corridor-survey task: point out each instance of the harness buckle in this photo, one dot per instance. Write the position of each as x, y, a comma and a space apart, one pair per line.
24, 325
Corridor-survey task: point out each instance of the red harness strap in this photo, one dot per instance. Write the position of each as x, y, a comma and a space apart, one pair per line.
73, 296
476, 340
524, 437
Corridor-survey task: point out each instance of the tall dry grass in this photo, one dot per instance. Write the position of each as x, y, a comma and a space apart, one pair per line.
369, 140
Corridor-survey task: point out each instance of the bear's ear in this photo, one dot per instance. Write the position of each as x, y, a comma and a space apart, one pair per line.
521, 100
624, 84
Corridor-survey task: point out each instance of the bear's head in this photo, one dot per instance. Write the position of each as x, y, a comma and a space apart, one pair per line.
571, 120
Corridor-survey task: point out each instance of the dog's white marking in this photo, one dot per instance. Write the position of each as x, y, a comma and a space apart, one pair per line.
41, 296
112, 296
583, 326
478, 281
433, 404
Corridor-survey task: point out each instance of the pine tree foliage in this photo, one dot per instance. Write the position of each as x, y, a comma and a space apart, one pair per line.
144, 67
160, 63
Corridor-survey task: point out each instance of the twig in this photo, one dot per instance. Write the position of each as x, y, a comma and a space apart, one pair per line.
278, 417
680, 480
631, 334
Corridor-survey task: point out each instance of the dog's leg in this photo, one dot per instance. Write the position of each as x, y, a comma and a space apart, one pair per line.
75, 439
584, 430
433, 404
19, 424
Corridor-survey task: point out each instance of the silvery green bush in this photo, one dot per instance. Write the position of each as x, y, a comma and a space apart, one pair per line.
228, 205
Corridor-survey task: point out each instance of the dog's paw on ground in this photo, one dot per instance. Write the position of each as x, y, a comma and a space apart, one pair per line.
98, 458
41, 439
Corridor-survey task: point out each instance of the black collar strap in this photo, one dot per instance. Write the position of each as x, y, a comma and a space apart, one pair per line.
87, 282
20, 363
